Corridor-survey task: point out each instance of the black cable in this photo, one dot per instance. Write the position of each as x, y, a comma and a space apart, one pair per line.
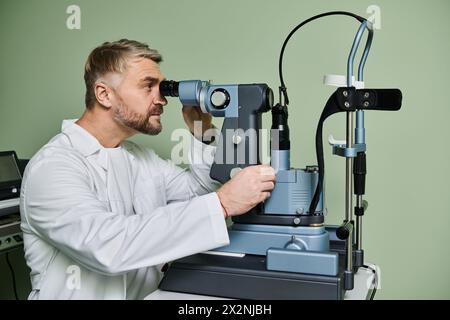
283, 88
283, 91
330, 108
375, 285
12, 275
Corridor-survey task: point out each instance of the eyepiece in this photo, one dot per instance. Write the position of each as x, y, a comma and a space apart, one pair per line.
169, 88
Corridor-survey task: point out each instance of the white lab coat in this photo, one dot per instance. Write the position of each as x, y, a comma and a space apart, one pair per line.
98, 223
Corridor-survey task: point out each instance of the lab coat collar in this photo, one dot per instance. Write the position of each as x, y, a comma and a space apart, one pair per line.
86, 143
81, 140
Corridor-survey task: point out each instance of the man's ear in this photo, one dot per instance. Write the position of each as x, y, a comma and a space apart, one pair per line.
103, 94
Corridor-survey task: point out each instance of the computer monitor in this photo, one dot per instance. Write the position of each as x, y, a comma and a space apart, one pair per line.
10, 176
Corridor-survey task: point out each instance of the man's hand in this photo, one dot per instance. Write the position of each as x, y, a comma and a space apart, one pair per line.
192, 114
252, 185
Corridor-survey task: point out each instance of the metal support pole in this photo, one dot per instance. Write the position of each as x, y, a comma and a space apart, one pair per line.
359, 224
349, 191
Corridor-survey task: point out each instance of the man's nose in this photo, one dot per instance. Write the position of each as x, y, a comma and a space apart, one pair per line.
160, 99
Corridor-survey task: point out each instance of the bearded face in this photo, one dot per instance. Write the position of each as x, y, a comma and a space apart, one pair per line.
137, 102
147, 123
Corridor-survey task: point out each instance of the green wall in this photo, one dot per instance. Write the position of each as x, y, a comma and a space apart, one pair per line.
406, 227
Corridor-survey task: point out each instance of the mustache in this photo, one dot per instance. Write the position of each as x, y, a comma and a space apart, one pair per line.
158, 110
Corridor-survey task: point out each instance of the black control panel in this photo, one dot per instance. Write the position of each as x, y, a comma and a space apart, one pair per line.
11, 172
10, 232
10, 175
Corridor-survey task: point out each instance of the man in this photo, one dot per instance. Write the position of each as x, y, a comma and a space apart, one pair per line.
101, 215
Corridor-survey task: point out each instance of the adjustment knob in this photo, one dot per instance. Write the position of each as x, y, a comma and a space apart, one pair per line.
220, 98
344, 230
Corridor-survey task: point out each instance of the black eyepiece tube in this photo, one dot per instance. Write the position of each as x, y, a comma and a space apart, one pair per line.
169, 88
280, 123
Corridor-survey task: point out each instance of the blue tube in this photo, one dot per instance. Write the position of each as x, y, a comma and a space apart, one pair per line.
189, 92
364, 56
360, 132
280, 159
351, 57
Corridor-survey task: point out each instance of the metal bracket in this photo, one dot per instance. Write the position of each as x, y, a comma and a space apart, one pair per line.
340, 148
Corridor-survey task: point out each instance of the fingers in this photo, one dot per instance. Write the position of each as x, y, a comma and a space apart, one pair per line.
264, 196
266, 172
262, 173
267, 186
191, 113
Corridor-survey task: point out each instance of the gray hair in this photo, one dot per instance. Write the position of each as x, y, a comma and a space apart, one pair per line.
112, 57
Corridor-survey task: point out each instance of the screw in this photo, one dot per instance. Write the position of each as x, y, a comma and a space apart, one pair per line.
300, 210
366, 103
366, 95
346, 104
297, 221
345, 93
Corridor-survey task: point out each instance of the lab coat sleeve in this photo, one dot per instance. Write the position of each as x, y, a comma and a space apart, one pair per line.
60, 205
182, 183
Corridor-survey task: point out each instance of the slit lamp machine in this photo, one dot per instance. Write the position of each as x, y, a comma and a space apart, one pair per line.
287, 251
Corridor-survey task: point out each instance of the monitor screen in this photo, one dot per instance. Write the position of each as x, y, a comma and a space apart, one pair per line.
9, 171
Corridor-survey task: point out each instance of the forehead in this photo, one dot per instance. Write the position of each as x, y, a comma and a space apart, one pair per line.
141, 68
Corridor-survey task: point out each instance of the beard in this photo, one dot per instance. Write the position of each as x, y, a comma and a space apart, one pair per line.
138, 122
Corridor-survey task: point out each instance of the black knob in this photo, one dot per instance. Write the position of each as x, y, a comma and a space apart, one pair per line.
343, 232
